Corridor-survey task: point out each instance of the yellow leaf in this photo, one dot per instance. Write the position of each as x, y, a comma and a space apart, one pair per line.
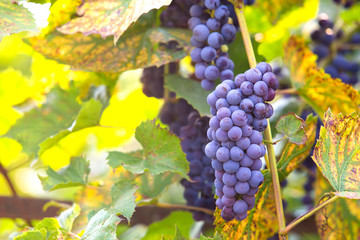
275, 8
314, 85
110, 17
337, 153
10, 151
338, 220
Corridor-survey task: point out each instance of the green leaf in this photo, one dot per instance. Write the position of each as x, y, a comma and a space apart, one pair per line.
293, 127
92, 53
190, 90
96, 18
38, 234
67, 217
56, 114
101, 226
153, 186
337, 153
274, 38
123, 198
75, 174
161, 152
52, 228
351, 15
88, 116
14, 18
166, 227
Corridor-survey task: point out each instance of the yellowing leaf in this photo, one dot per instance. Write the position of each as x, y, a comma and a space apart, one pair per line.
10, 151
261, 222
14, 87
314, 85
337, 153
93, 53
14, 19
276, 8
338, 220
110, 17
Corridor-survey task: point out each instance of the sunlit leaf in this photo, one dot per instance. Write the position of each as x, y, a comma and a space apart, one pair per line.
261, 222
75, 174
52, 227
272, 42
93, 53
110, 17
101, 226
165, 229
190, 90
66, 218
14, 18
10, 151
338, 220
56, 114
292, 127
351, 14
337, 153
314, 85
276, 10
32, 234
123, 197
161, 152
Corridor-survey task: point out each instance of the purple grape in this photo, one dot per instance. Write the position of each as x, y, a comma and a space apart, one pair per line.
195, 55
260, 88
227, 213
271, 80
222, 63
200, 70
229, 179
214, 122
243, 143
256, 179
246, 161
211, 99
231, 166
239, 79
228, 31
223, 154
222, 13
212, 4
217, 165
240, 207
260, 110
242, 187
193, 22
228, 201
215, 40
226, 75
254, 151
221, 90
222, 102
260, 124
234, 108
253, 75
195, 11
247, 105
229, 191
213, 24
256, 137
201, 32
264, 67
256, 165
243, 174
247, 88
223, 112
221, 135
226, 123
211, 149
239, 118
246, 131
207, 85
234, 133
250, 201
212, 73
208, 54
236, 153
229, 144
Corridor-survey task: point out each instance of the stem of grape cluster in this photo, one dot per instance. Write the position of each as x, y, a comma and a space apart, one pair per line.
271, 153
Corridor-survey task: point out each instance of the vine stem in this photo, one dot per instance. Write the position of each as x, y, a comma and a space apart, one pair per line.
8, 180
168, 205
307, 215
271, 153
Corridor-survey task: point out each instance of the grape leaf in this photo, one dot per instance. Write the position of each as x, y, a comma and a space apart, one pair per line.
38, 234
93, 53
14, 18
111, 17
273, 39
123, 198
351, 15
161, 152
52, 227
66, 218
165, 229
56, 114
337, 153
101, 226
75, 174
292, 127
338, 220
314, 85
190, 90
261, 222
153, 186
276, 10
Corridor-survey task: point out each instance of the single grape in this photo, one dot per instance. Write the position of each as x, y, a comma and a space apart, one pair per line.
213, 24
212, 4
195, 11
231, 166
236, 153
222, 13
229, 191
243, 174
208, 54
256, 179
242, 187
223, 154
201, 32
226, 123
253, 75
229, 179
211, 73
240, 207
215, 40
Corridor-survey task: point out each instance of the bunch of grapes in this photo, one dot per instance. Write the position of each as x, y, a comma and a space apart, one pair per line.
174, 113
239, 116
198, 192
340, 66
209, 34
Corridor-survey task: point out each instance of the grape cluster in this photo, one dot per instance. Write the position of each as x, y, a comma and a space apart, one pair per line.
174, 113
239, 116
209, 34
198, 192
176, 15
340, 66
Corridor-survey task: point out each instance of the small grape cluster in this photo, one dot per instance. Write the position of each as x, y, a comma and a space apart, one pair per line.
174, 113
198, 192
209, 34
339, 66
239, 116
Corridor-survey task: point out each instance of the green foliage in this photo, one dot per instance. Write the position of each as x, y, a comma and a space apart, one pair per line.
75, 174
292, 127
161, 152
189, 90
66, 218
123, 197
14, 18
168, 227
101, 226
